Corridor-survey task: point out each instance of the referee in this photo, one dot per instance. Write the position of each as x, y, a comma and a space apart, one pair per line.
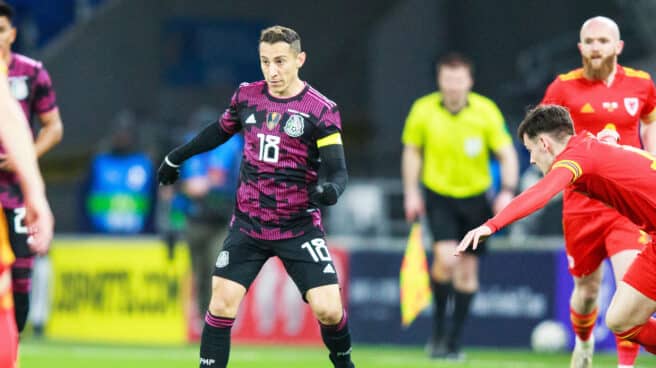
447, 139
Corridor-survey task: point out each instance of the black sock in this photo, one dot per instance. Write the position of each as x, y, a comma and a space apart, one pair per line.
460, 313
215, 341
338, 341
21, 308
441, 292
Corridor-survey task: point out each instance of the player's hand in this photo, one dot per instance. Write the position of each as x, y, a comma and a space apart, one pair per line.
608, 136
413, 205
5, 163
167, 173
472, 238
501, 201
40, 223
324, 194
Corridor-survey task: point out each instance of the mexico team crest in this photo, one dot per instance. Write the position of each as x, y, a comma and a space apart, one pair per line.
18, 87
272, 119
294, 126
631, 105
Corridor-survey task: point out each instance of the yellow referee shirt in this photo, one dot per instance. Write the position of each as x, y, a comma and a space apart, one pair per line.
456, 147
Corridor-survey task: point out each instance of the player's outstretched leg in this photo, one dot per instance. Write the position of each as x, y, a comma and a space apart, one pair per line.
630, 311
338, 341
327, 307
215, 340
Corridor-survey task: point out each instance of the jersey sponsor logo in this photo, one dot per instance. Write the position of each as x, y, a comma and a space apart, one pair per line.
610, 106
18, 87
251, 119
223, 259
272, 119
207, 362
329, 269
631, 105
587, 108
294, 126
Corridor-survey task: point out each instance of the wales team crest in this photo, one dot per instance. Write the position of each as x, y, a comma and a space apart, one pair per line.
272, 119
294, 126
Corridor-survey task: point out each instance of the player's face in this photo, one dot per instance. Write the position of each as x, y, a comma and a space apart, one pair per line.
7, 35
541, 156
280, 65
454, 83
599, 46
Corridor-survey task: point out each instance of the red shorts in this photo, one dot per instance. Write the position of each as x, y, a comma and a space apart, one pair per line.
589, 239
8, 329
642, 273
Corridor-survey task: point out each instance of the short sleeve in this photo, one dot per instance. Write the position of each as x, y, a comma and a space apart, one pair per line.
650, 100
44, 94
498, 136
413, 131
329, 127
553, 95
229, 121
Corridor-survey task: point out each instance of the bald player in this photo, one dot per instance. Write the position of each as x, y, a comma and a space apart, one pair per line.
605, 97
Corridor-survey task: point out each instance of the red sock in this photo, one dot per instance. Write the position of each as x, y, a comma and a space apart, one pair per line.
583, 324
644, 335
627, 351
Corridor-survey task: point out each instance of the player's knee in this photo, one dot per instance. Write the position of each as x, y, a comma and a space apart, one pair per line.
616, 320
328, 314
587, 293
223, 306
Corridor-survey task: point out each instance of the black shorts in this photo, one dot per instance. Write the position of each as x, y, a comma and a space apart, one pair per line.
451, 218
17, 232
306, 259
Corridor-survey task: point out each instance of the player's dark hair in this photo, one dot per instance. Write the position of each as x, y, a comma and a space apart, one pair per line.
6, 11
454, 60
550, 119
281, 34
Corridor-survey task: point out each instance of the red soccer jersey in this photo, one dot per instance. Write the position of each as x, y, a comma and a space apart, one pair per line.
622, 177
593, 106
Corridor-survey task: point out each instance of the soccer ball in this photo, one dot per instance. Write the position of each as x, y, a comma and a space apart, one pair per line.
549, 337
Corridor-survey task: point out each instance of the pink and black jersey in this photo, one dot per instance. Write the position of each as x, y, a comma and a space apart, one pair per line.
280, 159
30, 84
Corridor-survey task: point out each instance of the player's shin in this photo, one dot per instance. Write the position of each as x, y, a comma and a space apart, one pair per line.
215, 341
627, 352
644, 335
338, 341
583, 324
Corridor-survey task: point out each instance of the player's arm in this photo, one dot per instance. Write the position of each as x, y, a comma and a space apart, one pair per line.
51, 133
411, 163
331, 152
209, 138
17, 140
529, 201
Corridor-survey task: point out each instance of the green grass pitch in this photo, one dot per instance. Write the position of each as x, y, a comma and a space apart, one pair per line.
46, 354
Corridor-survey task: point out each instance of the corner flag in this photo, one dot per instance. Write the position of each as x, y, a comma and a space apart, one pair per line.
414, 278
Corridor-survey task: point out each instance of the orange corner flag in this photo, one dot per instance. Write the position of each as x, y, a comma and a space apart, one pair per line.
414, 279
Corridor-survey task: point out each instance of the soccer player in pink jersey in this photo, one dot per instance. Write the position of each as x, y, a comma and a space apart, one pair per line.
290, 130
